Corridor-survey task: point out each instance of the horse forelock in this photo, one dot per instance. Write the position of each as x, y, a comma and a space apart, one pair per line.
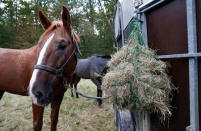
54, 26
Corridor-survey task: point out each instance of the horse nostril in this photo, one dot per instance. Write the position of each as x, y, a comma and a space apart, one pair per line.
39, 94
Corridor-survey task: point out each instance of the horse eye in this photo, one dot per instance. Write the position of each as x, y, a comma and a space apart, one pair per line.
61, 46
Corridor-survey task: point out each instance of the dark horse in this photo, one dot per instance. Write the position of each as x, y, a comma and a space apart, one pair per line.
41, 70
92, 68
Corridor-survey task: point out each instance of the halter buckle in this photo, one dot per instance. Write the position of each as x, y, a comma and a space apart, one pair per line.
59, 72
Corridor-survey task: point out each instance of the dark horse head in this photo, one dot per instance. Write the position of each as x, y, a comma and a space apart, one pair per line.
55, 47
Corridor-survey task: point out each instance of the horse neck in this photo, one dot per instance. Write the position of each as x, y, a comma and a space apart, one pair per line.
24, 61
33, 53
30, 58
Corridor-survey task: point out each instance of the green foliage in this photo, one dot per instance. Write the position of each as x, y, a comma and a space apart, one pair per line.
6, 35
91, 19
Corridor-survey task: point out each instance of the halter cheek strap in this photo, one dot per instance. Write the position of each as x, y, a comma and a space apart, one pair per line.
59, 72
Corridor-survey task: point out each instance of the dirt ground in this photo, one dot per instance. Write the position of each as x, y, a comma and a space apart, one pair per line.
75, 114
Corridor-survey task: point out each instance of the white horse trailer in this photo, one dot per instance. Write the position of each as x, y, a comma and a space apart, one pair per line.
172, 27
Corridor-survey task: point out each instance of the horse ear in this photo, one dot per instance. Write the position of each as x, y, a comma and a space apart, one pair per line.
45, 22
66, 18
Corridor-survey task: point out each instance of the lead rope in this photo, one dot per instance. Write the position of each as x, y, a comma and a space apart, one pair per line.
66, 85
90, 97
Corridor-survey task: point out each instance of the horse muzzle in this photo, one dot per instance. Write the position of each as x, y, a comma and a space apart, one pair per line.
42, 96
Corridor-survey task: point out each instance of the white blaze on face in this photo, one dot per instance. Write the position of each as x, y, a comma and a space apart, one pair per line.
35, 72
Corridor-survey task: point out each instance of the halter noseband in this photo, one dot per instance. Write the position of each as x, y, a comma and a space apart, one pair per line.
59, 72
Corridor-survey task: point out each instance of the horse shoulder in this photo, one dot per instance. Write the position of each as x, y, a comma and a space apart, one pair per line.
15, 70
83, 68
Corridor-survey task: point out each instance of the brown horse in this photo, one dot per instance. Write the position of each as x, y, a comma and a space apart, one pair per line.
55, 60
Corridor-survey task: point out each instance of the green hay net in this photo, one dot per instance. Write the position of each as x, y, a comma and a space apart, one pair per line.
136, 79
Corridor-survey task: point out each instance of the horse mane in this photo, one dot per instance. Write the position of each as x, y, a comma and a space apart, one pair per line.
103, 56
76, 36
56, 24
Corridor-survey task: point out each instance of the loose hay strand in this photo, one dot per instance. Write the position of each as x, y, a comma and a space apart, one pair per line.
137, 80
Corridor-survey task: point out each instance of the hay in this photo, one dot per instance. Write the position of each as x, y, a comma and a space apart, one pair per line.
136, 80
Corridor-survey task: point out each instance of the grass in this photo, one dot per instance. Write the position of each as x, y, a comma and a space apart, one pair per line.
75, 114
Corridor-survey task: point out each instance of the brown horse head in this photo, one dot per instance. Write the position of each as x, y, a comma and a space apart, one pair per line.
54, 49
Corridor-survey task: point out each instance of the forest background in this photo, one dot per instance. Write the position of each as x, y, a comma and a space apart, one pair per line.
91, 19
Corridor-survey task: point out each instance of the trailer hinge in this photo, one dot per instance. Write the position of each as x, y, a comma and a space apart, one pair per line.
188, 128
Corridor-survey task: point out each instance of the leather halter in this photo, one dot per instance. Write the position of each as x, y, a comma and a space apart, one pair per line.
59, 72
